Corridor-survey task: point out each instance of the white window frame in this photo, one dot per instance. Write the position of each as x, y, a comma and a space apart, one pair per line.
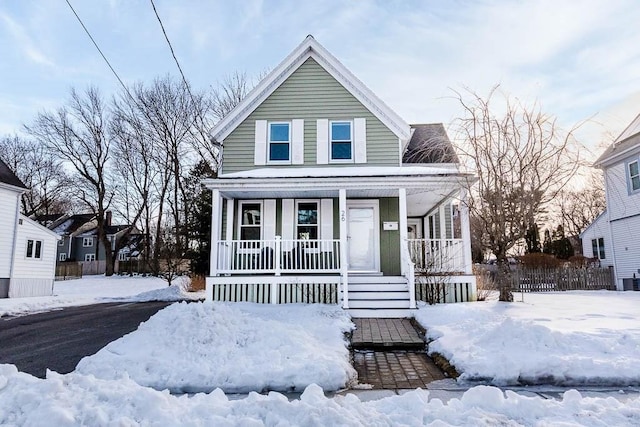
295, 213
122, 256
330, 142
87, 242
630, 177
62, 257
269, 142
35, 243
89, 257
598, 244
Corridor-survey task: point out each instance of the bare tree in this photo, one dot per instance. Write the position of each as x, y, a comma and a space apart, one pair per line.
579, 207
78, 135
41, 172
230, 92
523, 160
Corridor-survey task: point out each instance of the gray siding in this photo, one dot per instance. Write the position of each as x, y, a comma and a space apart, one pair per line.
310, 93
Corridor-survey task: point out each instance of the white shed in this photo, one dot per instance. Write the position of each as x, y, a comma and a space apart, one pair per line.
34, 260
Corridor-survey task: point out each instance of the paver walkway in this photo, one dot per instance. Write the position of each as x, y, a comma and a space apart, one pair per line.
386, 333
390, 354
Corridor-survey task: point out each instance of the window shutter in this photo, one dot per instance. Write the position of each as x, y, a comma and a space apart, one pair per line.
260, 156
297, 141
322, 138
288, 216
360, 139
269, 227
326, 219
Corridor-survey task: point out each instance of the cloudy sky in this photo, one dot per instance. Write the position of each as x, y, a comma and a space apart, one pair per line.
579, 59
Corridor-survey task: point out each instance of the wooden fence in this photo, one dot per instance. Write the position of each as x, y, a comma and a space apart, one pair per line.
561, 279
68, 270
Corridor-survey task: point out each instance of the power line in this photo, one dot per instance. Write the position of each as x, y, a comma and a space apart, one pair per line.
99, 50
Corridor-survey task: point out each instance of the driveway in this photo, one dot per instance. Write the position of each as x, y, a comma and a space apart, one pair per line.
57, 340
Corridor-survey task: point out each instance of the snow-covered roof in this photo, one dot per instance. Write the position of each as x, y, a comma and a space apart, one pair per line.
310, 48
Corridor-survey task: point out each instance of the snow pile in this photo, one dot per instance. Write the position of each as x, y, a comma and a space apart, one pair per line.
570, 338
97, 289
176, 292
74, 399
237, 347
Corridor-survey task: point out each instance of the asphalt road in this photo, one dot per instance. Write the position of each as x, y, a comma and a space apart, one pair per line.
57, 340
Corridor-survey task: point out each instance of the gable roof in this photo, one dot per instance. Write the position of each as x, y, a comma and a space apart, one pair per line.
628, 140
429, 144
310, 48
71, 223
8, 177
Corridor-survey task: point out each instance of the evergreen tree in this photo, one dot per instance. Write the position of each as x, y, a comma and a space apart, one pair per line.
198, 227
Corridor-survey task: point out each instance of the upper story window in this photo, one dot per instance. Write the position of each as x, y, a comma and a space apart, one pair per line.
250, 221
34, 249
87, 242
634, 176
597, 247
279, 142
341, 141
307, 221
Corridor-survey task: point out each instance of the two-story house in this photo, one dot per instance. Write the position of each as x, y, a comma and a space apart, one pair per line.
27, 249
612, 237
326, 195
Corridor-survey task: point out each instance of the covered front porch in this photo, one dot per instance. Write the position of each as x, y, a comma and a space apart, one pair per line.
352, 241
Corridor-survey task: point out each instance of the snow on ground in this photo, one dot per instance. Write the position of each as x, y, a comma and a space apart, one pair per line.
97, 289
565, 338
75, 399
238, 347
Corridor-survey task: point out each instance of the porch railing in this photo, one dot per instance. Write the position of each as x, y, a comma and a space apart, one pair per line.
278, 256
437, 255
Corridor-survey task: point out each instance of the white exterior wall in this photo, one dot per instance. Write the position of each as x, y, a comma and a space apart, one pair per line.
620, 204
598, 228
625, 233
33, 276
9, 200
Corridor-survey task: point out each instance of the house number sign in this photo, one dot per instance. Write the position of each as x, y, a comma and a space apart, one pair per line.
343, 216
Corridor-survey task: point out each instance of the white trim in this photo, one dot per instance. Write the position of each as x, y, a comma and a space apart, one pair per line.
231, 204
402, 224
268, 219
326, 219
89, 240
89, 257
360, 140
297, 142
322, 141
215, 230
62, 257
269, 142
419, 224
310, 48
288, 219
295, 217
260, 147
375, 204
344, 246
31, 255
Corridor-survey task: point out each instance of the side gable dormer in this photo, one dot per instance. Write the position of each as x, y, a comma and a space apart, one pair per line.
310, 110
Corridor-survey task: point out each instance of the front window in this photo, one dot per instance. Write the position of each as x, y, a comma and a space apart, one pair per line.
87, 242
634, 176
250, 221
341, 141
307, 221
90, 257
279, 142
597, 247
34, 249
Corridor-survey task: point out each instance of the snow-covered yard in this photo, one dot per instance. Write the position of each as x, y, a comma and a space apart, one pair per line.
97, 289
569, 338
238, 347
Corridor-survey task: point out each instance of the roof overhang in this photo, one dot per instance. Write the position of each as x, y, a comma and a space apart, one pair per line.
310, 48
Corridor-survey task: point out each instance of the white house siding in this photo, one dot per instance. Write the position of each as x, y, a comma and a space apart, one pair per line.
620, 204
627, 251
33, 277
598, 229
8, 203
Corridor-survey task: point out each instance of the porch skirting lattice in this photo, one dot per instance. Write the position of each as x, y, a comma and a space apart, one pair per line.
274, 290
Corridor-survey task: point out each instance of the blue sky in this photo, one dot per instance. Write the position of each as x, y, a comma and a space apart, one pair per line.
579, 59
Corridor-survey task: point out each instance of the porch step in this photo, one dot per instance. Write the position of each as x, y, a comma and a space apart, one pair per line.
390, 313
378, 287
373, 279
378, 295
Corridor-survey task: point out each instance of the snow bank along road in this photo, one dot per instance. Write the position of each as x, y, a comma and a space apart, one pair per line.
57, 340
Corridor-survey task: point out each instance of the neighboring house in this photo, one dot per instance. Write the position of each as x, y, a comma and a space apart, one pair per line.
613, 237
27, 249
326, 195
79, 239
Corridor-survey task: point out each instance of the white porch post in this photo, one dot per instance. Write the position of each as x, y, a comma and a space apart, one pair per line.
344, 262
215, 238
402, 224
465, 230
230, 212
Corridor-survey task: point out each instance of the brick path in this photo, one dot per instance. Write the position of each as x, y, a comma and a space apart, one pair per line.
390, 354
